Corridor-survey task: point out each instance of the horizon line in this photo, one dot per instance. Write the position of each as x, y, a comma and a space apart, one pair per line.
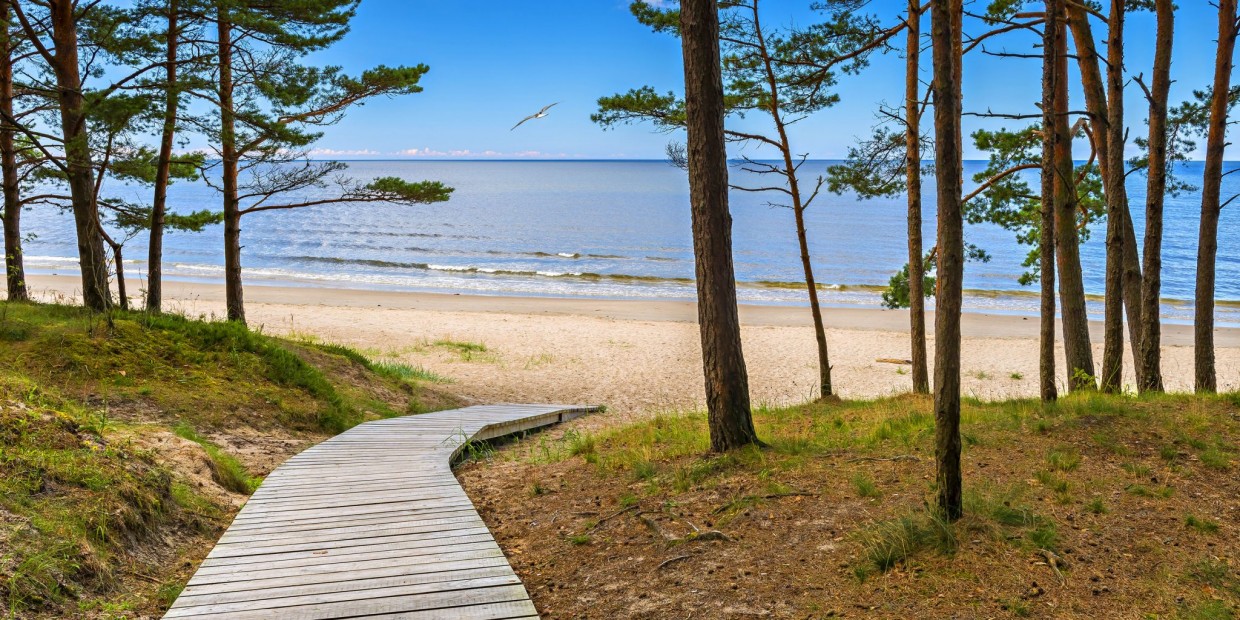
622, 159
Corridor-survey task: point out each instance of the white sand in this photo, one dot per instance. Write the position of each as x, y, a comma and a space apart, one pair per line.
639, 357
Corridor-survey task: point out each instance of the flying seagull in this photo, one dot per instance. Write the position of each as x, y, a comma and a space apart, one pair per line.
541, 113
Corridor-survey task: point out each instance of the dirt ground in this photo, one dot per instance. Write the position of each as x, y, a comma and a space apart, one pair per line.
593, 542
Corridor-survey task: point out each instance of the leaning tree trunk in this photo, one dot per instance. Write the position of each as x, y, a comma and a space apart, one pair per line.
80, 172
820, 333
163, 167
1156, 189
798, 209
723, 362
1107, 142
946, 18
1206, 380
1075, 320
119, 258
1046, 247
233, 293
14, 265
912, 140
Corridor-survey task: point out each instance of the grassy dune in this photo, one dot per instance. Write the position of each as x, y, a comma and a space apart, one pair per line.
127, 443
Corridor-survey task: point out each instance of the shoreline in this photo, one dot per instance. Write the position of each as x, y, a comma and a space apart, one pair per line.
199, 298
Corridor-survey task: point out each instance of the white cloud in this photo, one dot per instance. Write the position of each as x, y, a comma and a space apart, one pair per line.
323, 152
471, 154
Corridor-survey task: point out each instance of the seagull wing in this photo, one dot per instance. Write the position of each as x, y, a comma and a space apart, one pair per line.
547, 107
523, 120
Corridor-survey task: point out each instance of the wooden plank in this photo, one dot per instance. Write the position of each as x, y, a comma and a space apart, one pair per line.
472, 542
318, 602
305, 525
261, 577
370, 523
378, 603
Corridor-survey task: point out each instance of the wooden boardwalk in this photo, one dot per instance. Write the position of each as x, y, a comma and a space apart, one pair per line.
370, 523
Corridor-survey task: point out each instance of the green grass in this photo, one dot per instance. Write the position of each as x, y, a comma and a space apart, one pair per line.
1159, 492
1059, 486
1063, 458
1215, 458
1207, 610
1201, 524
400, 370
1096, 506
864, 485
468, 351
887, 544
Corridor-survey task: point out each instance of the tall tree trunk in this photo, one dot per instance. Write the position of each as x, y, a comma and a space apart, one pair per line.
727, 384
163, 167
912, 139
1047, 389
1075, 321
946, 18
798, 209
1103, 121
1130, 262
233, 294
14, 265
1123, 236
1206, 380
80, 172
1156, 189
1046, 247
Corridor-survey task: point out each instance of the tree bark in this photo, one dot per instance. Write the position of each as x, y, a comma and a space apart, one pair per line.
1046, 249
1129, 271
119, 258
912, 139
726, 381
163, 166
1074, 320
96, 293
1150, 360
825, 388
946, 18
1205, 376
1105, 108
14, 265
233, 293
1130, 262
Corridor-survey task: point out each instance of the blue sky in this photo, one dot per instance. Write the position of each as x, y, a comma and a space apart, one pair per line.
493, 63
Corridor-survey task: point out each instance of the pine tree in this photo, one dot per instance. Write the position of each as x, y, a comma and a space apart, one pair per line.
783, 75
1220, 103
269, 107
727, 384
946, 18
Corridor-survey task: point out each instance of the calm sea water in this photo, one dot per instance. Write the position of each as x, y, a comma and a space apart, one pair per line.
617, 230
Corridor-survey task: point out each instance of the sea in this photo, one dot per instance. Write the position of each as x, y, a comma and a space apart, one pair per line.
619, 230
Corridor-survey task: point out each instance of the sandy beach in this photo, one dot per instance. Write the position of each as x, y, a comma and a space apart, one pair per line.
637, 356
